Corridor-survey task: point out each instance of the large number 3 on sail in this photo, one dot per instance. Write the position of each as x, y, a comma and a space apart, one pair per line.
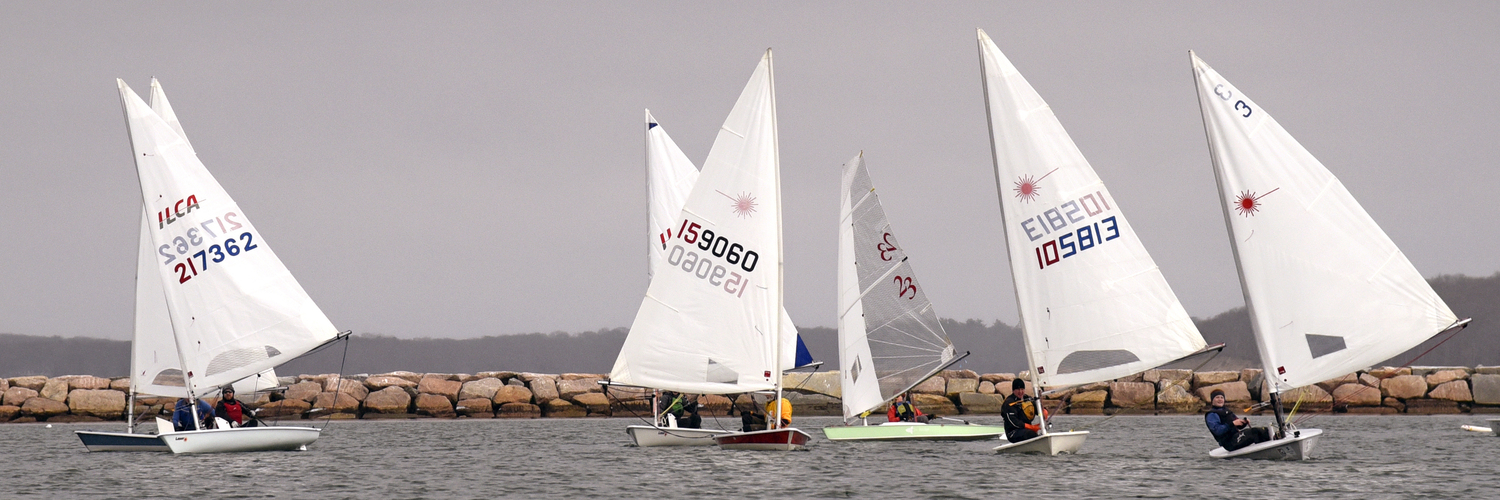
1327, 291
1093, 305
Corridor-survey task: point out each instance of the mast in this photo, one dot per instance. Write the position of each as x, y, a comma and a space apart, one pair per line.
989, 119
780, 255
647, 141
1234, 247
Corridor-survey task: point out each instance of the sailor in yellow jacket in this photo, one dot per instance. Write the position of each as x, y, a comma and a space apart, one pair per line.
786, 411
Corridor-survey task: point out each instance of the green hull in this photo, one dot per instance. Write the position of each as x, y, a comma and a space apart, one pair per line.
893, 431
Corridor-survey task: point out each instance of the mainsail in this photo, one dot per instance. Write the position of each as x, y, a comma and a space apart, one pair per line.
889, 336
709, 321
1093, 304
1328, 292
232, 306
156, 369
670, 177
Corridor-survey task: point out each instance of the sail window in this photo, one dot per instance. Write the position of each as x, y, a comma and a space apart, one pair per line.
1082, 361
170, 377
719, 373
1323, 345
237, 358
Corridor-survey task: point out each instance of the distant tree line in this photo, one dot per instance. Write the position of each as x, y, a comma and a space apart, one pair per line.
995, 346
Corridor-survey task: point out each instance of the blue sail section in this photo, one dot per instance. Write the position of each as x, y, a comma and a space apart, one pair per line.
804, 357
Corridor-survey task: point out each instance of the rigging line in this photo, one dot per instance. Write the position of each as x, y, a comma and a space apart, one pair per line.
909, 334
339, 388
878, 281
904, 346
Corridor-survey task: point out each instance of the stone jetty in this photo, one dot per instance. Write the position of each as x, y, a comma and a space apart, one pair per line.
1386, 390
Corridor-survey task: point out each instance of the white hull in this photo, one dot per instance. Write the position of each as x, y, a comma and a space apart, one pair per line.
1050, 443
646, 435
241, 439
1296, 447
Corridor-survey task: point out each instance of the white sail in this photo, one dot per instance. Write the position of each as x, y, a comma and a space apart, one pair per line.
709, 322
155, 366
670, 177
234, 308
1327, 291
1093, 304
890, 338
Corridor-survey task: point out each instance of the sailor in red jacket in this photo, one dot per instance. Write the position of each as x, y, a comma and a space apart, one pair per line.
903, 411
232, 411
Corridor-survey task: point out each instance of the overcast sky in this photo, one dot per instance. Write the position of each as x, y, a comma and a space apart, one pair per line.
458, 169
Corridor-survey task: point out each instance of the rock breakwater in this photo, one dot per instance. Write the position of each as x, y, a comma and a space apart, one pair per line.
1385, 390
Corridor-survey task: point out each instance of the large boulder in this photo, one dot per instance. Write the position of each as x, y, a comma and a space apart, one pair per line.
379, 382
543, 389
985, 387
500, 375
1441, 377
103, 403
439, 385
1202, 379
121, 384
571, 388
1386, 372
1487, 370
1404, 387
958, 386
579, 376
1156, 376
1089, 400
1312, 394
436, 405
409, 376
4, 384
1333, 383
1132, 395
1453, 390
56, 389
518, 410
284, 408
349, 387
999, 379
305, 391
559, 408
1175, 398
41, 408
9, 412
1370, 380
1233, 392
1357, 395
17, 395
821, 382
982, 403
336, 402
596, 403
482, 388
76, 382
1486, 389
33, 382
511, 394
933, 404
476, 408
934, 385
388, 400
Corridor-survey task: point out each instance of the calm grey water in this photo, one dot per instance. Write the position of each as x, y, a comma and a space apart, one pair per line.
1125, 457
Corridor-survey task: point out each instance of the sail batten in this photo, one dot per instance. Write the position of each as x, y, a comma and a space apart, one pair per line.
1093, 304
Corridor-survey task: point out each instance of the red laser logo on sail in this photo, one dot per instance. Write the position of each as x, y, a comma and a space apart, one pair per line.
744, 204
1248, 203
1027, 189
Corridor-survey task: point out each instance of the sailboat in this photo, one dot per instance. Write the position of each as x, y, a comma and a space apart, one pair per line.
234, 310
1327, 291
154, 364
711, 323
670, 177
1092, 303
890, 338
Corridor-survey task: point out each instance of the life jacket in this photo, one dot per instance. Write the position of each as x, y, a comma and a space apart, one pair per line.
904, 412
1226, 417
236, 412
